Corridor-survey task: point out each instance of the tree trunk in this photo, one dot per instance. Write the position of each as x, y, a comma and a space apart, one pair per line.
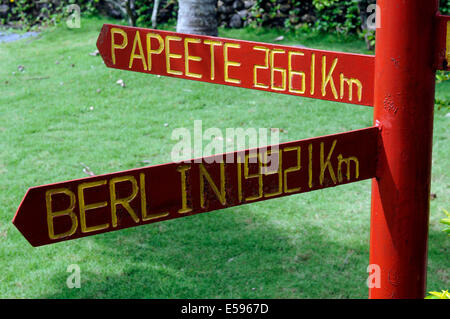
129, 7
197, 17
126, 8
155, 14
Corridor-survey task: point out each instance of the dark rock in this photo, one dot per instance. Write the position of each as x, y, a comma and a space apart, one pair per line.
225, 9
4, 10
238, 5
243, 13
249, 3
285, 8
294, 19
236, 21
308, 18
109, 9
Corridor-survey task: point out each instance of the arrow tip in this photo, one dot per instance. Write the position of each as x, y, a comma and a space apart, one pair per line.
26, 222
102, 45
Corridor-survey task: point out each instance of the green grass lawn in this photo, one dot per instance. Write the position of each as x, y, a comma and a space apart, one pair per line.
66, 110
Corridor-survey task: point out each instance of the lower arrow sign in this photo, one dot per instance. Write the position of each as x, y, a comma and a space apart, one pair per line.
99, 204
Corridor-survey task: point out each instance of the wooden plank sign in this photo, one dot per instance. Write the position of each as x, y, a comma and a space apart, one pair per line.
340, 77
98, 204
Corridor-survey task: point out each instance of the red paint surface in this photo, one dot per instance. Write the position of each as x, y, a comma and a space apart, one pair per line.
354, 66
163, 186
442, 53
404, 102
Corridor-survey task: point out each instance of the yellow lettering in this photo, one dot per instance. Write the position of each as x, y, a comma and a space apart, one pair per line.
171, 55
310, 161
282, 71
350, 83
293, 73
140, 56
313, 73
83, 207
258, 175
188, 57
220, 194
239, 177
212, 44
328, 78
228, 63
448, 42
67, 212
347, 162
278, 171
261, 67
151, 51
125, 202
327, 163
184, 208
114, 45
292, 169
144, 214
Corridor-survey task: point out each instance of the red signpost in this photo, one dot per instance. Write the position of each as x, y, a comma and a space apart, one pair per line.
412, 42
404, 103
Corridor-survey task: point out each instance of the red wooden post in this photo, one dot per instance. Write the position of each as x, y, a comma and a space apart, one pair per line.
404, 102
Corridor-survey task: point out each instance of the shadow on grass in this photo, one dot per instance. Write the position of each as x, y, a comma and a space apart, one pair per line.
234, 253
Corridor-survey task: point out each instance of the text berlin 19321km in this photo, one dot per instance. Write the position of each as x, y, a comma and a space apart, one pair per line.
104, 203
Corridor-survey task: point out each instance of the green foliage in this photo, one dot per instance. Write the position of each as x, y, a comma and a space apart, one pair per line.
442, 76
444, 294
442, 104
167, 11
340, 16
336, 16
444, 7
29, 13
269, 13
446, 221
144, 12
439, 295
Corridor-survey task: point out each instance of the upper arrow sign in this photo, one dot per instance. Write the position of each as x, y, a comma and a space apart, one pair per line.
340, 77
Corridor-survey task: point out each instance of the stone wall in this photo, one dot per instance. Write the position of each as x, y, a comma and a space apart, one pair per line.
239, 13
234, 13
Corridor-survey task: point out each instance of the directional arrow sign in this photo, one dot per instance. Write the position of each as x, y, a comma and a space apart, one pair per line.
98, 204
340, 77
